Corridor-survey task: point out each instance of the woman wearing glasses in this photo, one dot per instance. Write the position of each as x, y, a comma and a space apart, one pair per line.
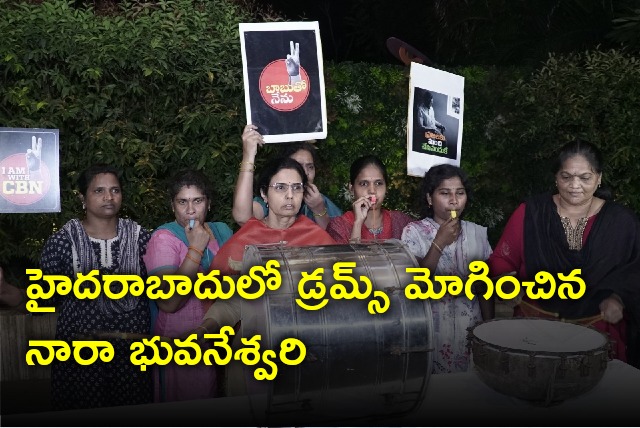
282, 184
368, 220
316, 206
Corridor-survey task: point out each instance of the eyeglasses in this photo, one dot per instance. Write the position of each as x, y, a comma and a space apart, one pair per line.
284, 187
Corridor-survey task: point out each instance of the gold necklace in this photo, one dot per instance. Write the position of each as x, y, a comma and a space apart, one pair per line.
574, 234
586, 216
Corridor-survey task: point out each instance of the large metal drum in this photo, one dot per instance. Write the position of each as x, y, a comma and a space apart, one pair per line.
541, 360
358, 365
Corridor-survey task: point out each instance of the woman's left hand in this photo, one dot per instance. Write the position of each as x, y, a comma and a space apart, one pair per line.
612, 309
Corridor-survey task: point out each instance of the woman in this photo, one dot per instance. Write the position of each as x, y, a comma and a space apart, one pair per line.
316, 206
445, 244
185, 246
368, 220
282, 187
111, 245
282, 184
577, 228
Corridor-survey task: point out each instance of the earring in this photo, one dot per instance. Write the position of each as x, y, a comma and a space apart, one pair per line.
599, 185
84, 207
556, 183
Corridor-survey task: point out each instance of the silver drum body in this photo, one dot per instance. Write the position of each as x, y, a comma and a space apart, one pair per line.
358, 365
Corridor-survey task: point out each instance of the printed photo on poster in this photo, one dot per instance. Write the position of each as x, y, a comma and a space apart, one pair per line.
434, 134
29, 170
284, 80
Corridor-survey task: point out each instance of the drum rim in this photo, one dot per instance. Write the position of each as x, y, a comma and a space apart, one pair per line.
592, 352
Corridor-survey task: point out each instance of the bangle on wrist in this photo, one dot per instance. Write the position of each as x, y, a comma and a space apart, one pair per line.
354, 240
437, 246
322, 214
251, 167
196, 250
192, 259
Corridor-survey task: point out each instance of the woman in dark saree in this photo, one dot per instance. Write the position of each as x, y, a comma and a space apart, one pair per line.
579, 227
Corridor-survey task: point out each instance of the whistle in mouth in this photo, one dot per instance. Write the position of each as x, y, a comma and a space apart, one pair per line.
454, 214
192, 223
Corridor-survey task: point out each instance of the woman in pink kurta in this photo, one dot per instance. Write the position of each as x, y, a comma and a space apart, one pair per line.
185, 246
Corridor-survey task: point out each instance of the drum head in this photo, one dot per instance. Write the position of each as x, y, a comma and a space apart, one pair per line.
539, 335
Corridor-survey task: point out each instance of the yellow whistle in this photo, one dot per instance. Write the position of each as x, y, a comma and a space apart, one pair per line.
453, 214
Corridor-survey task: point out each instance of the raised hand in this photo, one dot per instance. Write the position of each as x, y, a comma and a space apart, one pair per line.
251, 140
33, 155
293, 60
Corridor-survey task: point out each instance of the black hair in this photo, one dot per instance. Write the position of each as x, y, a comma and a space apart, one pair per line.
276, 165
290, 149
591, 153
189, 177
86, 176
434, 177
362, 162
422, 96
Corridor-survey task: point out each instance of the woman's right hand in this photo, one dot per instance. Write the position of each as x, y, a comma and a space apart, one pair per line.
251, 139
197, 236
612, 309
361, 207
448, 232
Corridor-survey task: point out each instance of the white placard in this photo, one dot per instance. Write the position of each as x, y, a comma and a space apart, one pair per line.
434, 124
284, 80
